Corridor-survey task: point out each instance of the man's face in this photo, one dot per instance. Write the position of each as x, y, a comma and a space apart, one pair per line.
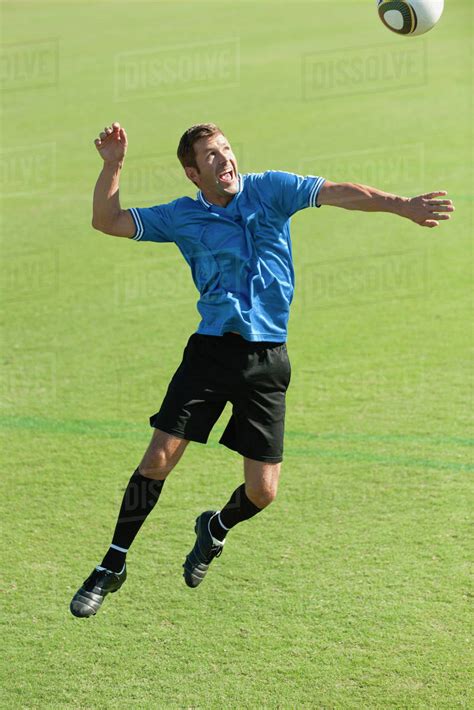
217, 174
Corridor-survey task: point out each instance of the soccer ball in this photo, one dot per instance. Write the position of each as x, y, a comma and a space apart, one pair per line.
413, 17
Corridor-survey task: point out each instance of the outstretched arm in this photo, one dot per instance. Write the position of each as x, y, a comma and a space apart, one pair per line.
425, 210
107, 215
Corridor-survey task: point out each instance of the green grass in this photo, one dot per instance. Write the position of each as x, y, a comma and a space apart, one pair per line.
353, 590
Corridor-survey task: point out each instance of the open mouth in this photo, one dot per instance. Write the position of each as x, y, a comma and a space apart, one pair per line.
226, 177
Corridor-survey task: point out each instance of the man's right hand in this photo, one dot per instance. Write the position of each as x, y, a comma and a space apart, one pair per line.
107, 215
112, 144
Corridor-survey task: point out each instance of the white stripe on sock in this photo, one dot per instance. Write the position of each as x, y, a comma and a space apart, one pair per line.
215, 541
220, 521
120, 549
100, 569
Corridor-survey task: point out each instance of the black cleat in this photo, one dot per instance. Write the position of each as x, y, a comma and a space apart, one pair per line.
88, 599
205, 549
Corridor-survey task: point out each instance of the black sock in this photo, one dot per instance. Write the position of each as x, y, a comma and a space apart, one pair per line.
237, 509
138, 501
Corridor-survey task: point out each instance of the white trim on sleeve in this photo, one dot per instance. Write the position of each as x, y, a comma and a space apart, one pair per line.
313, 195
138, 223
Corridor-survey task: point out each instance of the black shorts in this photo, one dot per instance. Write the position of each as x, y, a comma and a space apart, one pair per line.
220, 369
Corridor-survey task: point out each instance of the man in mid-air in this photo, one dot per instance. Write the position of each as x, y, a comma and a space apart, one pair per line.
235, 237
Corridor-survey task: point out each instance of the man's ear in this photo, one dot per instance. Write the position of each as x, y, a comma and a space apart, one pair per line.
191, 174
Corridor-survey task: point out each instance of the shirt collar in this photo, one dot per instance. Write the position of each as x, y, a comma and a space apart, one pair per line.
208, 205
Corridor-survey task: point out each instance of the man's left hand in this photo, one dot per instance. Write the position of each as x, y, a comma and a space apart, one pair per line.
426, 210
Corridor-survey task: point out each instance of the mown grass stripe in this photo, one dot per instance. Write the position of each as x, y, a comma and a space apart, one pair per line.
110, 429
119, 428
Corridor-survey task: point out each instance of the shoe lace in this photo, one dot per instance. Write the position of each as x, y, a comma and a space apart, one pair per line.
217, 550
214, 551
96, 576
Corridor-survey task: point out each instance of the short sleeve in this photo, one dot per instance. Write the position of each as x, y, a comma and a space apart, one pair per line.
295, 192
153, 224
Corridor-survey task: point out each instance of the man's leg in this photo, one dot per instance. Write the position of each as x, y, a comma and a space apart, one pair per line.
140, 497
258, 491
142, 493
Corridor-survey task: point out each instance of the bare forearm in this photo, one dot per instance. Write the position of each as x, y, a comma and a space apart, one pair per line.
353, 196
426, 210
106, 204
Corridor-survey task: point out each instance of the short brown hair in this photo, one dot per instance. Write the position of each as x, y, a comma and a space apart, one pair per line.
186, 154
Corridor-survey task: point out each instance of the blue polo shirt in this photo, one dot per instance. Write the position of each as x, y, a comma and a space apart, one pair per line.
239, 255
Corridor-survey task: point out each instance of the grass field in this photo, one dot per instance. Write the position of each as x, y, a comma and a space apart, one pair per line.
352, 590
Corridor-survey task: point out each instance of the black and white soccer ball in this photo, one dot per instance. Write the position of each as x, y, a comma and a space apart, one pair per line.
410, 17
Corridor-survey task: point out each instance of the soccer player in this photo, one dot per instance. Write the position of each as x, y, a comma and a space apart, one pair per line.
235, 237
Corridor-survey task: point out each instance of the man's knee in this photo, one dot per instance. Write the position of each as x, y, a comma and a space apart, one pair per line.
261, 481
262, 494
162, 455
156, 465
